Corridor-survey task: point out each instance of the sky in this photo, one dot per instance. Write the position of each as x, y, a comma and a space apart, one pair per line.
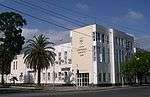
131, 16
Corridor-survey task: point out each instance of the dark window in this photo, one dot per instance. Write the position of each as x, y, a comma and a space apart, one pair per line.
103, 54
103, 38
69, 61
104, 77
98, 36
93, 36
59, 58
65, 57
100, 77
107, 39
48, 75
14, 66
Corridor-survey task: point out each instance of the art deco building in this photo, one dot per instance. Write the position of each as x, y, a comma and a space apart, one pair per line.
93, 56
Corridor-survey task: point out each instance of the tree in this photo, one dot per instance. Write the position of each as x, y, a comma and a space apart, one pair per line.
11, 40
39, 54
137, 67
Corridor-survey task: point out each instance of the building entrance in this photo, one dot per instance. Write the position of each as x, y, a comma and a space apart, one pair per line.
83, 79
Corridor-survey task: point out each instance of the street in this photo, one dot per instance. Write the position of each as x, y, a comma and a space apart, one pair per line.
117, 92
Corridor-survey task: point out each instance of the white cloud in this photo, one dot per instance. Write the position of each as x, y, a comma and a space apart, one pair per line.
134, 15
56, 37
29, 33
83, 7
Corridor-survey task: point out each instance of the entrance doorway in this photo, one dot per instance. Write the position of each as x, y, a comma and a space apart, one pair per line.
83, 79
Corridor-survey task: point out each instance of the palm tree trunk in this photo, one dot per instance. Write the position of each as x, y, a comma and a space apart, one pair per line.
39, 77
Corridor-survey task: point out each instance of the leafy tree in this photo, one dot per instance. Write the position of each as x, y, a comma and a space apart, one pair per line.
137, 67
11, 40
39, 54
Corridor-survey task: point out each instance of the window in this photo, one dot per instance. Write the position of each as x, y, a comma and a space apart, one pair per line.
43, 76
55, 75
21, 77
69, 61
104, 77
98, 37
103, 54
59, 58
83, 79
66, 74
100, 77
103, 38
107, 55
120, 56
65, 57
14, 65
109, 79
107, 39
94, 53
124, 43
116, 40
99, 54
59, 75
48, 75
121, 41
93, 36
116, 53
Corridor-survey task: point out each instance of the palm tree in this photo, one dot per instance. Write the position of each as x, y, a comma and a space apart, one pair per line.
39, 54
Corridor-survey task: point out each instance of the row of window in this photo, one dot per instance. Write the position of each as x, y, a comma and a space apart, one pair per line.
119, 56
123, 42
54, 75
103, 54
104, 77
97, 36
65, 61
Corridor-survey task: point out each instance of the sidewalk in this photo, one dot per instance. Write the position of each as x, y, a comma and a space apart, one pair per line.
75, 89
52, 89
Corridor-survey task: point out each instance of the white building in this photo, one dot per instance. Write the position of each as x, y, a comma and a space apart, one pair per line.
62, 69
93, 56
97, 53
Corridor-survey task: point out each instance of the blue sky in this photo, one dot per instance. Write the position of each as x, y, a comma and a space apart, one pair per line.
132, 14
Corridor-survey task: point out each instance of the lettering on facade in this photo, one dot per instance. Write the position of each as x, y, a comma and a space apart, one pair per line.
82, 49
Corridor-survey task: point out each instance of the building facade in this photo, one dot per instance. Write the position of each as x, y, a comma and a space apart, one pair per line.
58, 73
93, 56
97, 53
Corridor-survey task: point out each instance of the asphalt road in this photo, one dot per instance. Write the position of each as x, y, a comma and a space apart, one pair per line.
117, 92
